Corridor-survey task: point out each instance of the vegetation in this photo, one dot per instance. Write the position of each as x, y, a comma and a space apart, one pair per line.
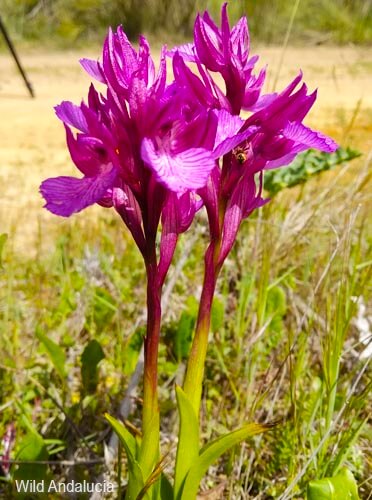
69, 21
289, 345
286, 345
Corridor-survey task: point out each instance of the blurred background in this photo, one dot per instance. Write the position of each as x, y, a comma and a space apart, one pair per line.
70, 21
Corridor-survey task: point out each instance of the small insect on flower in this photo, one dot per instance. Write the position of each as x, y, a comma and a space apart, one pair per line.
240, 155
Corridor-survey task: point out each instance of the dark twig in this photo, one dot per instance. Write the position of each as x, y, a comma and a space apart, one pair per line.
16, 58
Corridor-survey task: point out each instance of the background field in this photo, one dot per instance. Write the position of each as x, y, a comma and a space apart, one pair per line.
70, 21
293, 301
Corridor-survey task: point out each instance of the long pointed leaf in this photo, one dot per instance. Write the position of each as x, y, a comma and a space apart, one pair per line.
135, 480
212, 452
55, 352
154, 481
149, 450
188, 440
166, 489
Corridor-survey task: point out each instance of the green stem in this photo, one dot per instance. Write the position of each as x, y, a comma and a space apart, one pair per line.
193, 383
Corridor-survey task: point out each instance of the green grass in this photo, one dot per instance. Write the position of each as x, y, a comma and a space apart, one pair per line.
285, 345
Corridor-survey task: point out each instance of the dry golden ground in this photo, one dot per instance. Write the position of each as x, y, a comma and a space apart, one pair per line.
32, 142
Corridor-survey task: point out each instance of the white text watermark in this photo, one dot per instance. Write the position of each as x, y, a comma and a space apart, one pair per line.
34, 486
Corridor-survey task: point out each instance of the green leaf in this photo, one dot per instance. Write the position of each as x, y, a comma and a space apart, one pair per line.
305, 166
347, 443
156, 482
340, 487
3, 238
90, 358
212, 452
188, 440
132, 350
149, 451
104, 308
217, 315
135, 480
32, 448
183, 336
55, 352
185, 328
166, 489
276, 308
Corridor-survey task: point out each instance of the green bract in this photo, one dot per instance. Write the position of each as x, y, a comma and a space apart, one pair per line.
340, 487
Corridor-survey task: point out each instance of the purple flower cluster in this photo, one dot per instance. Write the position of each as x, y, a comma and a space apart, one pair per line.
155, 150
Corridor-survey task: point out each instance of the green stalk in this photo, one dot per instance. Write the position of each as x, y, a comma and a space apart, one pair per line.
193, 384
195, 366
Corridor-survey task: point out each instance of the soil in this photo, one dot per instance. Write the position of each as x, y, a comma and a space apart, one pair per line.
32, 140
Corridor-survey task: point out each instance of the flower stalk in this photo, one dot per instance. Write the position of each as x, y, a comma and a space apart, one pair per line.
196, 362
150, 414
193, 383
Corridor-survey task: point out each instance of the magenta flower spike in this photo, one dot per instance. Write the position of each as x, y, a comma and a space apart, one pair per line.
134, 146
226, 51
271, 137
139, 150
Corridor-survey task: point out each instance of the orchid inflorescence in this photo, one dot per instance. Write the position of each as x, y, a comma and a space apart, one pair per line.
158, 152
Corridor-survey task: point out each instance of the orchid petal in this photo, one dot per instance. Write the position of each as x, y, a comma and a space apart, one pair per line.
67, 195
232, 142
263, 101
94, 69
225, 32
198, 133
209, 194
306, 138
194, 85
240, 39
243, 201
88, 153
169, 235
228, 125
207, 43
160, 80
252, 90
127, 206
186, 51
145, 63
280, 162
125, 56
188, 169
72, 115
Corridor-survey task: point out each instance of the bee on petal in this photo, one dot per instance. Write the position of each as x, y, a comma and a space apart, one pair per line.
241, 157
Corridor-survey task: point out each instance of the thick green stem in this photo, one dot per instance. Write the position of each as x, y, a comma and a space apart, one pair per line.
193, 383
